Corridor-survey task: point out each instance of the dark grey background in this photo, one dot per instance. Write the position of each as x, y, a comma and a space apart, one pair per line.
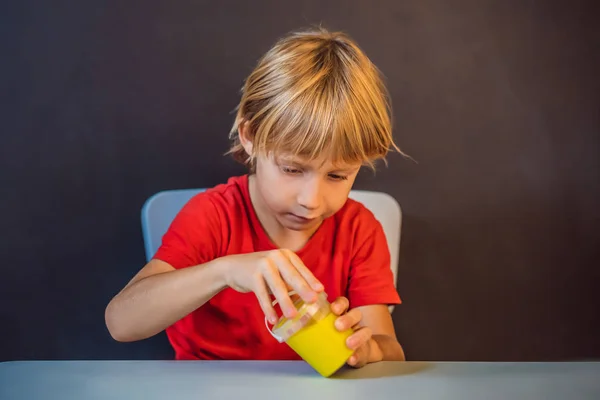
105, 103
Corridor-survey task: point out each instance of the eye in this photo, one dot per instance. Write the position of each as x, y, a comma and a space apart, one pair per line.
337, 177
291, 170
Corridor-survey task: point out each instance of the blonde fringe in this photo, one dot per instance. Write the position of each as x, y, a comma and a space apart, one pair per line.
315, 94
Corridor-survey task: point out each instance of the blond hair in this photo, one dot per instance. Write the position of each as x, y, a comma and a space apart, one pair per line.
315, 93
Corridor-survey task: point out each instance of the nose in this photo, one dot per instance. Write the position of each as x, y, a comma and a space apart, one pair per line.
310, 194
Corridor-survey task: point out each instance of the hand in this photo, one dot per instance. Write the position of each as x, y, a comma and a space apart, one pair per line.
361, 340
272, 272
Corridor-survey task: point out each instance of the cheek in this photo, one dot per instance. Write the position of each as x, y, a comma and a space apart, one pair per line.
336, 199
272, 194
274, 189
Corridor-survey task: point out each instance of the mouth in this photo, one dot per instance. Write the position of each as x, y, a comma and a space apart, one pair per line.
301, 219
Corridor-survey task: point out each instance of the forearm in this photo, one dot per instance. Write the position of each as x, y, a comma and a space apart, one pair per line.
385, 348
153, 303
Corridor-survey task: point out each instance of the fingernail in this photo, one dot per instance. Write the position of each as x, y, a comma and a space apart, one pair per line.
273, 319
291, 312
319, 286
351, 343
339, 325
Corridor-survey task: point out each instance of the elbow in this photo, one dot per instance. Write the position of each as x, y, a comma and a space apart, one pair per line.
115, 326
389, 347
396, 351
401, 355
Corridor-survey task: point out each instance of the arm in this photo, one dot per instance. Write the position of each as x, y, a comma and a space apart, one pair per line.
185, 273
383, 345
188, 271
374, 338
159, 295
371, 289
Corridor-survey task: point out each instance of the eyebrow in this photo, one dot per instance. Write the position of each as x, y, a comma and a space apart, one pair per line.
299, 164
290, 161
345, 170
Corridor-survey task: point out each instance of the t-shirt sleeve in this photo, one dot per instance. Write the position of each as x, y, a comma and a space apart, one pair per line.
194, 235
371, 278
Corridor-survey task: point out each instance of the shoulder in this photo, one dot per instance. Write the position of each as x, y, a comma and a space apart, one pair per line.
222, 198
357, 216
214, 208
356, 225
200, 230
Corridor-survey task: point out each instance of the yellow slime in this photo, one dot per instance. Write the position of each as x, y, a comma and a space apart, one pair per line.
321, 345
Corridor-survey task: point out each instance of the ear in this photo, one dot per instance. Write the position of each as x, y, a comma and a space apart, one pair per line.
245, 137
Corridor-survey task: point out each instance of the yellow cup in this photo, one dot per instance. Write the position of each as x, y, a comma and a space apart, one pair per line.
313, 335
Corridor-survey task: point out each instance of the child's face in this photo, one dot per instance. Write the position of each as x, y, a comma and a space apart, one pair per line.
300, 194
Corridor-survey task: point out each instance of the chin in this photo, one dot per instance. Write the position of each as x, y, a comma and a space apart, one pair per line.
299, 227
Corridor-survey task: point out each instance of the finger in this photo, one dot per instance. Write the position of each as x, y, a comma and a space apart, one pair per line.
278, 288
292, 276
306, 273
348, 320
340, 305
359, 358
359, 338
287, 286
264, 300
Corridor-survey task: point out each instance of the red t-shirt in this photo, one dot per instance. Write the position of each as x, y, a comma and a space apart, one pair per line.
348, 254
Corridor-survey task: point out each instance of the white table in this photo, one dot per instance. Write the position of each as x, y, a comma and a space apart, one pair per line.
82, 380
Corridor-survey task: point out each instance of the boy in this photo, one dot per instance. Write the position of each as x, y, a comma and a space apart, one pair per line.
312, 112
